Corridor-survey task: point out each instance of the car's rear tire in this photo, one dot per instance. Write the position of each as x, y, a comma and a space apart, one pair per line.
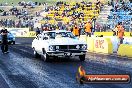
13, 42
36, 55
82, 57
45, 57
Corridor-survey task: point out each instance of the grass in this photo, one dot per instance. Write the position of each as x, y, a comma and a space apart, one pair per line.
15, 2
48, 1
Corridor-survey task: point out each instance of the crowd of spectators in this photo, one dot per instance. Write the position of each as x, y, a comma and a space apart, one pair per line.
75, 13
21, 19
62, 26
25, 4
26, 22
121, 12
15, 11
18, 15
122, 6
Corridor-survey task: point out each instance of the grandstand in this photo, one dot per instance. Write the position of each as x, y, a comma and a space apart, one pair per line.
106, 14
121, 12
76, 12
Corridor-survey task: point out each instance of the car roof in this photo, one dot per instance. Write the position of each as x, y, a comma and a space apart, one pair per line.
56, 31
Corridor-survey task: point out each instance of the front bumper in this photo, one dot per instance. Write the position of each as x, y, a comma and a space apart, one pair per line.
66, 53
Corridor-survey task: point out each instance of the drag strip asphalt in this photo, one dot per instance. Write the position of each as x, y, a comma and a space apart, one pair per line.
20, 69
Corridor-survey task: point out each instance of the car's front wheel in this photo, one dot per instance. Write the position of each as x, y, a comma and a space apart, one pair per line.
45, 57
36, 55
82, 57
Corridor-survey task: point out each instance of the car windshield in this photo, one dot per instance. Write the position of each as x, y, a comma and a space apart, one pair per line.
60, 34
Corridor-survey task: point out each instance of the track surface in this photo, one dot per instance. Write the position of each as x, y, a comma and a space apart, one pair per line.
19, 69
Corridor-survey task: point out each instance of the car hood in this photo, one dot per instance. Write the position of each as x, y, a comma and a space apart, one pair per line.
10, 35
64, 41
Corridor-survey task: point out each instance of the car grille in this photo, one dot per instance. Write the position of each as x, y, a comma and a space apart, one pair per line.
67, 47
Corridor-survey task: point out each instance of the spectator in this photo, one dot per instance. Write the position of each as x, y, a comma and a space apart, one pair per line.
88, 29
120, 33
37, 31
4, 46
76, 31
115, 30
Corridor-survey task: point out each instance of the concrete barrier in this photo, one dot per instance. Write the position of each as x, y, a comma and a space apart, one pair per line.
125, 50
114, 41
103, 33
103, 45
19, 32
127, 34
90, 43
109, 44
98, 44
32, 34
127, 40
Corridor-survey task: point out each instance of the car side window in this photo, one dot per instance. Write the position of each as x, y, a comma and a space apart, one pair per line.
45, 36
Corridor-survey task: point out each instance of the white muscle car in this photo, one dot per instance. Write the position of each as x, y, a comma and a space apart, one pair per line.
59, 43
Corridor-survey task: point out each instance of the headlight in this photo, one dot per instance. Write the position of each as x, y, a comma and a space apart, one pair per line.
84, 47
77, 47
51, 48
57, 47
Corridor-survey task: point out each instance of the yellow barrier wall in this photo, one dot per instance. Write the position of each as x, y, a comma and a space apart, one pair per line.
103, 33
109, 34
32, 34
19, 32
90, 43
125, 50
83, 37
98, 44
103, 45
127, 34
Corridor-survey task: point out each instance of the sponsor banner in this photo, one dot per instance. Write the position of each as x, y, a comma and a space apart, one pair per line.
103, 45
19, 32
82, 77
106, 78
32, 34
